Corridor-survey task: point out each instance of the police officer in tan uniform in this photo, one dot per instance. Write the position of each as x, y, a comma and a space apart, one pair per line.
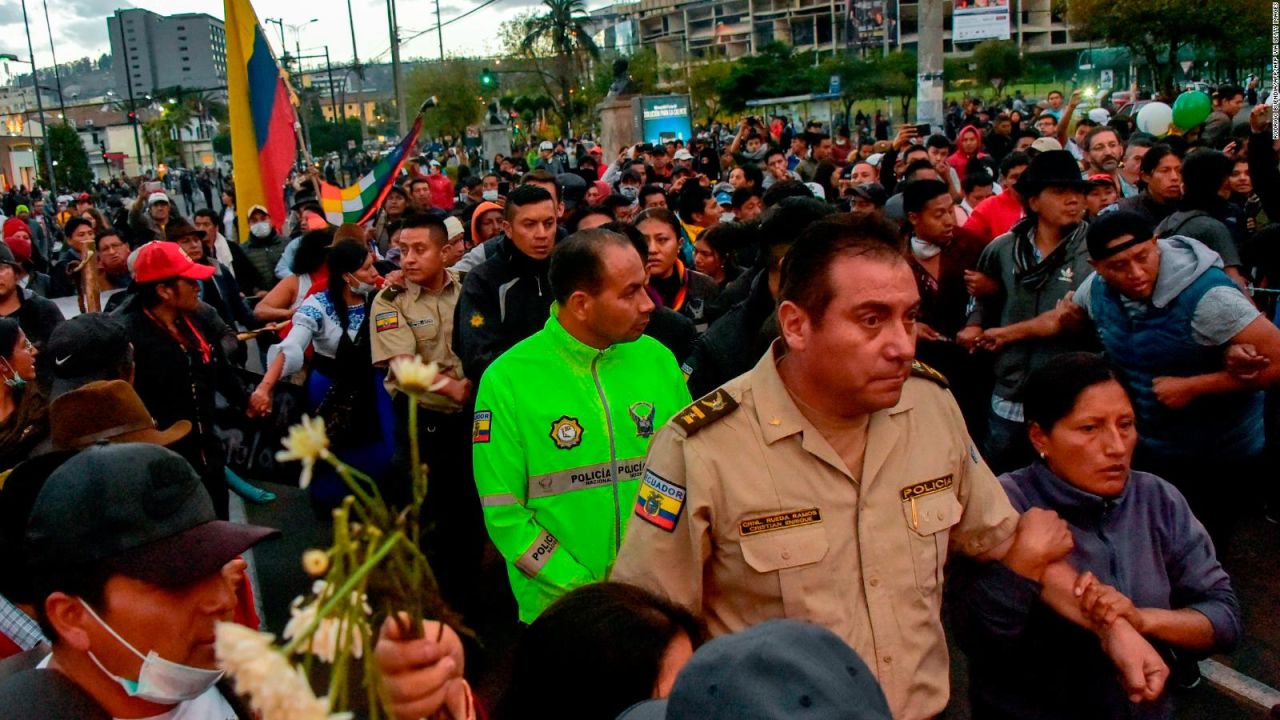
417, 319
830, 482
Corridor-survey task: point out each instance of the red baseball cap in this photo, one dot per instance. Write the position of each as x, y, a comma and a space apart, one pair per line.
164, 261
21, 247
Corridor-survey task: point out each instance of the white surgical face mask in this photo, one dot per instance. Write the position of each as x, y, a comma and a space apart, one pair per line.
490, 195
160, 681
924, 250
260, 229
629, 192
360, 287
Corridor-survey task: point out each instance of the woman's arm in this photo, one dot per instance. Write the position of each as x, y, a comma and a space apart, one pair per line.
276, 305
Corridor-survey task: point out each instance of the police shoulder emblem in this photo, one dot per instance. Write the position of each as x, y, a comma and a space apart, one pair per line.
705, 411
566, 432
642, 415
920, 370
477, 320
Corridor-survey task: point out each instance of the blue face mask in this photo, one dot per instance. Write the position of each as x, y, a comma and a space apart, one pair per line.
13, 379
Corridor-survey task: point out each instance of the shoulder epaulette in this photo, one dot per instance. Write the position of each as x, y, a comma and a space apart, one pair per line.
704, 411
920, 370
391, 292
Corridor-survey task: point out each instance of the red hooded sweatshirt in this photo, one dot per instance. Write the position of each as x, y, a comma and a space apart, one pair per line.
958, 159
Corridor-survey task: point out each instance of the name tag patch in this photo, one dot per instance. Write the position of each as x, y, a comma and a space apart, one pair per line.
386, 321
659, 502
480, 426
780, 521
421, 323
929, 487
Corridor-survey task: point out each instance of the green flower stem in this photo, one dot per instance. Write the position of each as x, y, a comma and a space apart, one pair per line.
415, 455
343, 593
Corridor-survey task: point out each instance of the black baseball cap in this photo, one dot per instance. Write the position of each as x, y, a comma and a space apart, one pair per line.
134, 509
7, 257
778, 669
85, 348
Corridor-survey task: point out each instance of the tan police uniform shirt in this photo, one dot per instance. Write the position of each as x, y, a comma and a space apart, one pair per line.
418, 321
770, 523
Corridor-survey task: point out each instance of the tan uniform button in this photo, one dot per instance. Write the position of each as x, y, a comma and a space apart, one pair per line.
888, 659
875, 582
786, 555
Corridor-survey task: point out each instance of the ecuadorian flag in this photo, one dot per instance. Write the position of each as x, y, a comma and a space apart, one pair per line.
263, 144
358, 202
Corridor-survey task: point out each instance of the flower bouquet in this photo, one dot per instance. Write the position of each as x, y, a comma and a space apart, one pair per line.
373, 570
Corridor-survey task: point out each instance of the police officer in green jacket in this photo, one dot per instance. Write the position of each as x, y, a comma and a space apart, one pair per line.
564, 419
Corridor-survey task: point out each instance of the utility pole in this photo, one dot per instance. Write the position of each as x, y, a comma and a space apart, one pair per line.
284, 49
333, 99
128, 81
396, 80
929, 65
359, 86
44, 123
57, 75
439, 31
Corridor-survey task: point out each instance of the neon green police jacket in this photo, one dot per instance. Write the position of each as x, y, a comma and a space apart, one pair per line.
559, 439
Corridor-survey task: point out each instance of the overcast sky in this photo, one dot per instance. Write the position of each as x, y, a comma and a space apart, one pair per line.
80, 26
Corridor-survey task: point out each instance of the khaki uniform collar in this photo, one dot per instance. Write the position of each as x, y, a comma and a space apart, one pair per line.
413, 289
780, 418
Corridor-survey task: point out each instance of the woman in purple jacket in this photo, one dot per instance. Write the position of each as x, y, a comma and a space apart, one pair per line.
1145, 560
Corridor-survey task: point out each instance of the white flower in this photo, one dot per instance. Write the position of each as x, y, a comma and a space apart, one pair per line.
417, 378
276, 689
325, 640
307, 442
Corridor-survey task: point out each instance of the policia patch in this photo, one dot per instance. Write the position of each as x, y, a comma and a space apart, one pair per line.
705, 411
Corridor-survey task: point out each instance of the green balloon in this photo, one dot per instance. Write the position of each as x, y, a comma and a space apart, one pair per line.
1191, 109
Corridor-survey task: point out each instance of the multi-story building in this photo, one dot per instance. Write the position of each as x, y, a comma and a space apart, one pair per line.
691, 31
152, 51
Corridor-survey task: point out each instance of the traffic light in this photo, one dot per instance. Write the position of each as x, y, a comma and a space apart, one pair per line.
488, 79
133, 117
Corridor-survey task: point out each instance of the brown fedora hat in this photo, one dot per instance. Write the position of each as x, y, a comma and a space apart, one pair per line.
107, 410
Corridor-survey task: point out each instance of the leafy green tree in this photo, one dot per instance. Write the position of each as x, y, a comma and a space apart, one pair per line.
777, 71
456, 85
71, 161
1156, 30
999, 63
704, 86
559, 44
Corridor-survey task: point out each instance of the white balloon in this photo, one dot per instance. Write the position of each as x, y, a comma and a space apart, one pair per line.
1155, 118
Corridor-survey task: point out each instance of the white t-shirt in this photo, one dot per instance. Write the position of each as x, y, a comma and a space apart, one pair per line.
210, 705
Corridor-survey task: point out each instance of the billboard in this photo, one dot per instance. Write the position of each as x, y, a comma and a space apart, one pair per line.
974, 20
664, 117
866, 21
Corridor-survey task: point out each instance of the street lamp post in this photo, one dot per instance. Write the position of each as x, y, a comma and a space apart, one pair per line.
297, 44
128, 80
35, 82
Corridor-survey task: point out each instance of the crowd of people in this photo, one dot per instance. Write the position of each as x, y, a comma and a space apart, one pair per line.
690, 393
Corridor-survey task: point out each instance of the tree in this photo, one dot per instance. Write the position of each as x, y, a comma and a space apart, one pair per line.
704, 86
71, 162
999, 63
776, 71
894, 75
559, 44
456, 85
1156, 30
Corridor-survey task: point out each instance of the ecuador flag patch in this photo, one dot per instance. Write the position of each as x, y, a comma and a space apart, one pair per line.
659, 502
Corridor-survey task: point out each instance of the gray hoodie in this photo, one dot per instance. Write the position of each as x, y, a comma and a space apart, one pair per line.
1221, 314
1201, 226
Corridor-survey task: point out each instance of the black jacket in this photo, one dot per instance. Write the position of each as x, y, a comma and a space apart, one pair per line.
175, 384
504, 300
36, 316
734, 343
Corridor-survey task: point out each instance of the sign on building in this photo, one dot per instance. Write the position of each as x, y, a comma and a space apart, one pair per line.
974, 20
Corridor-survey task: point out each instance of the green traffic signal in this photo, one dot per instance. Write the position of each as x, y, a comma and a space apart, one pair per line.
487, 78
